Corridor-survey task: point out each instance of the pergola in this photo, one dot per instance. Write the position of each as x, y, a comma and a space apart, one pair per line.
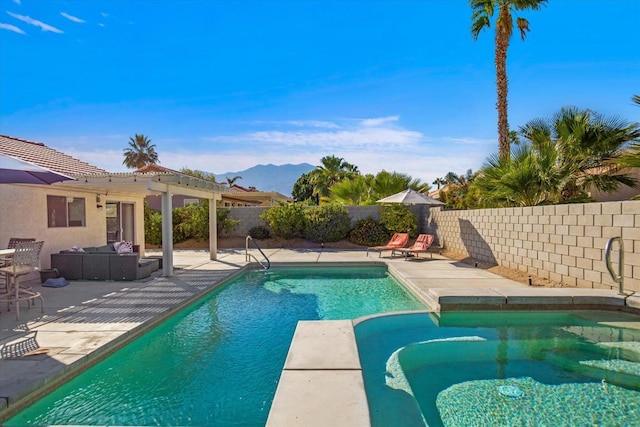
167, 184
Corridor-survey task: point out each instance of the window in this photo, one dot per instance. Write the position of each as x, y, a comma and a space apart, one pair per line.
65, 211
190, 202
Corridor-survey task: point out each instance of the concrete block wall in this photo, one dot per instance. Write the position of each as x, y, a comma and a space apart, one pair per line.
249, 217
563, 243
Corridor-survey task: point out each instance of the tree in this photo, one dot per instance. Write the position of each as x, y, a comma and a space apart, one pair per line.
483, 11
353, 192
207, 176
631, 159
303, 189
559, 161
333, 169
438, 182
141, 152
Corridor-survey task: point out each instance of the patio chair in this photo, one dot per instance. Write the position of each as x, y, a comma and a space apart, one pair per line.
5, 261
398, 240
422, 244
26, 260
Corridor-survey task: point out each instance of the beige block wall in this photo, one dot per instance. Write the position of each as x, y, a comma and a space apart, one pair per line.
564, 243
23, 213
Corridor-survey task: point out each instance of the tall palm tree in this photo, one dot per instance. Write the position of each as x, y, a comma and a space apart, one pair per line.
483, 11
332, 170
141, 152
438, 182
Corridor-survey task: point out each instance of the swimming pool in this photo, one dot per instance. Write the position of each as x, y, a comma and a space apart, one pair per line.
218, 361
502, 369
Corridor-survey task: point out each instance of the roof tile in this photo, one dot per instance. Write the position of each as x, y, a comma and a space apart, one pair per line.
41, 155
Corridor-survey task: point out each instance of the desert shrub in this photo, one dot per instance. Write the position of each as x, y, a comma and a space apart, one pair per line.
327, 223
189, 222
224, 224
369, 232
152, 225
399, 219
285, 220
259, 232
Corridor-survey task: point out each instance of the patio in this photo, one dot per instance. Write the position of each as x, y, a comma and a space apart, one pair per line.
87, 320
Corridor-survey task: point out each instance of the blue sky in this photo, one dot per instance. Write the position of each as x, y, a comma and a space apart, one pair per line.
224, 85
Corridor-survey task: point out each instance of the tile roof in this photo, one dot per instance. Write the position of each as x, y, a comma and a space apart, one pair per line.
41, 155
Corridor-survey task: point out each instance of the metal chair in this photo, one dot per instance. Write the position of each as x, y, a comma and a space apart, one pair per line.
26, 260
5, 261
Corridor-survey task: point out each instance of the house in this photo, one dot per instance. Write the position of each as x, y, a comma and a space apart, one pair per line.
242, 196
96, 207
237, 196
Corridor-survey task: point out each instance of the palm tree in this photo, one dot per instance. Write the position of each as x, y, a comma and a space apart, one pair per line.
231, 181
141, 152
385, 183
333, 169
483, 11
561, 159
438, 182
352, 192
631, 159
587, 145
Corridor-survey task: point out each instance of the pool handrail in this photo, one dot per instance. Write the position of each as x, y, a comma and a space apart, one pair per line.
619, 277
248, 256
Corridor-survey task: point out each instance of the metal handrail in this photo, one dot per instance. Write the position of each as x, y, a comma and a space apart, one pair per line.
619, 277
248, 256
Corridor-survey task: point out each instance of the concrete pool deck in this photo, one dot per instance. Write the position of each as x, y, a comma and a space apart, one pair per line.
84, 321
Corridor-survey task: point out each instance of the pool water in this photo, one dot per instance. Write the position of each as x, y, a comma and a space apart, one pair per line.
502, 369
217, 362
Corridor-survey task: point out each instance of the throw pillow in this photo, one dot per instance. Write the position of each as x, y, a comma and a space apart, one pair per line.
125, 247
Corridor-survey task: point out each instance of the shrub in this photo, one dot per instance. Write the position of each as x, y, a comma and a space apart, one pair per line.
398, 219
327, 223
224, 224
152, 225
259, 232
285, 220
189, 222
369, 232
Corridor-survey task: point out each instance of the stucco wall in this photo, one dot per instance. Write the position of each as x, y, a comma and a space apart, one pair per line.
23, 213
564, 243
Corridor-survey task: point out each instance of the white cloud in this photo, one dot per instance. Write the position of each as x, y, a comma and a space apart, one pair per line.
379, 121
73, 18
11, 28
35, 22
331, 135
16, 1
383, 144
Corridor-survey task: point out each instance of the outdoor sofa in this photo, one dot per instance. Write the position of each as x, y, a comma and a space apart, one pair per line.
102, 263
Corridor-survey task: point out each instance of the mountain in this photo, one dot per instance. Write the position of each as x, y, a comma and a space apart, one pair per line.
269, 177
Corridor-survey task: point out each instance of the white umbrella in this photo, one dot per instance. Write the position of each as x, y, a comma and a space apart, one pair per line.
17, 171
410, 197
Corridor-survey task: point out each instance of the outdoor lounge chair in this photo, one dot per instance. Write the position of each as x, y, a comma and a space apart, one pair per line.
399, 240
422, 244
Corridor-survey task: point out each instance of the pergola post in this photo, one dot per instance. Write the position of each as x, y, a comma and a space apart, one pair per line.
167, 234
213, 229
